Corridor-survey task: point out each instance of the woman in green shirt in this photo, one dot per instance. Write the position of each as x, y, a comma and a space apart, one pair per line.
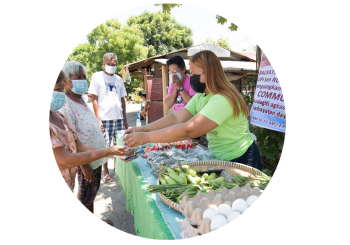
217, 110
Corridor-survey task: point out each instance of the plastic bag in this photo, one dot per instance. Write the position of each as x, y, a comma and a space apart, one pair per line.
227, 176
127, 76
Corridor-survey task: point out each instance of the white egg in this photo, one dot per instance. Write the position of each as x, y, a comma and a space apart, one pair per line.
251, 200
233, 215
213, 206
239, 205
224, 209
209, 213
217, 222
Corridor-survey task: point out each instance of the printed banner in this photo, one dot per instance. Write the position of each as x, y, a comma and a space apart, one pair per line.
268, 110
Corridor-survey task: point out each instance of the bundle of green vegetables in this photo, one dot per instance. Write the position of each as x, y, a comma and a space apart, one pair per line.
258, 181
182, 180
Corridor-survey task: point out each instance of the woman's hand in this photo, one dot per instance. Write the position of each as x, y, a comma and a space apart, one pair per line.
88, 173
177, 82
135, 139
131, 130
121, 151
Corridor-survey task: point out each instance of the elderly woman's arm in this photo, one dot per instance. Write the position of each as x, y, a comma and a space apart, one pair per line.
85, 155
65, 159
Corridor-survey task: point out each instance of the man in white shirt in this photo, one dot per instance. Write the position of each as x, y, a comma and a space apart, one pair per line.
108, 92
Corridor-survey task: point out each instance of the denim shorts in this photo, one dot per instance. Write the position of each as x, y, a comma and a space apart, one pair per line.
251, 157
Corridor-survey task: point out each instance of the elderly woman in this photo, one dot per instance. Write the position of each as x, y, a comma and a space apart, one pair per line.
68, 149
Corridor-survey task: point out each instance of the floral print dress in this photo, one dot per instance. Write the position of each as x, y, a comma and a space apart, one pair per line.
65, 138
85, 123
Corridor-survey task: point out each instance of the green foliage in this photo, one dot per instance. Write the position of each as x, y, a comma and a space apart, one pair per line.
126, 41
221, 42
222, 20
267, 172
162, 33
270, 144
134, 96
167, 7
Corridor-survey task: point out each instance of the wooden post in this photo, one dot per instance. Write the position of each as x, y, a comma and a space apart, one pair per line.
164, 76
145, 87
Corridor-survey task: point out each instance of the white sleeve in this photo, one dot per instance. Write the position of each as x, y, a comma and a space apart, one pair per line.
94, 89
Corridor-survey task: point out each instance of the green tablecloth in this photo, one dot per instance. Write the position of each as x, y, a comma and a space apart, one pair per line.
147, 217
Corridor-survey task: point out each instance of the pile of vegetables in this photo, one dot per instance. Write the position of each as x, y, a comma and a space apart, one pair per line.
182, 180
258, 181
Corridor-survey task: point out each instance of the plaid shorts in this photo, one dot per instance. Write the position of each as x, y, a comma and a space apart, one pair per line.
112, 126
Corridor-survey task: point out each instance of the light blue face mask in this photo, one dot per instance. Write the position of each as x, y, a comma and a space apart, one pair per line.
79, 86
57, 100
179, 76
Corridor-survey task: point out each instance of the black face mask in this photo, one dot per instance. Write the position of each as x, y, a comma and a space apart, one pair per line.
196, 85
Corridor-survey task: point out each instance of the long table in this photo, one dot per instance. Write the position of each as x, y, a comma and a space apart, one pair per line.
152, 217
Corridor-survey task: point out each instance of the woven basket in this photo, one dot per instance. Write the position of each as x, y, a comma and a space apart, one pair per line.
231, 167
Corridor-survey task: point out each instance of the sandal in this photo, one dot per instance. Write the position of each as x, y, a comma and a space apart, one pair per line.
107, 178
108, 221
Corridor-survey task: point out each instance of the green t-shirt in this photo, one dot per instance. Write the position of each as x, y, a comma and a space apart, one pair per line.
231, 138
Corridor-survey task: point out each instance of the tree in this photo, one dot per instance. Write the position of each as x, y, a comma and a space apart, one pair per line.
162, 33
125, 41
166, 8
221, 42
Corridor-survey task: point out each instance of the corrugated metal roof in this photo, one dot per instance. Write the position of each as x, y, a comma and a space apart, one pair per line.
226, 64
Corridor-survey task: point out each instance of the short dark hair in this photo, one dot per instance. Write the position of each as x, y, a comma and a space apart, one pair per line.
60, 77
177, 60
144, 95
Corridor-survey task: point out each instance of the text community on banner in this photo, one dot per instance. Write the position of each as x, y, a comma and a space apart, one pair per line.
268, 110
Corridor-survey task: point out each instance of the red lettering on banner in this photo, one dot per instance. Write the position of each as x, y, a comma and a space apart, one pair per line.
275, 80
268, 87
265, 111
281, 98
269, 72
281, 115
274, 97
268, 95
274, 106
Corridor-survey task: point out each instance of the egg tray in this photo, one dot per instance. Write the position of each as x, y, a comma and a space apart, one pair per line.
188, 231
193, 208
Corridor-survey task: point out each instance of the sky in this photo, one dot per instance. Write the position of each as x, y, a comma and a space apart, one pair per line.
202, 22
